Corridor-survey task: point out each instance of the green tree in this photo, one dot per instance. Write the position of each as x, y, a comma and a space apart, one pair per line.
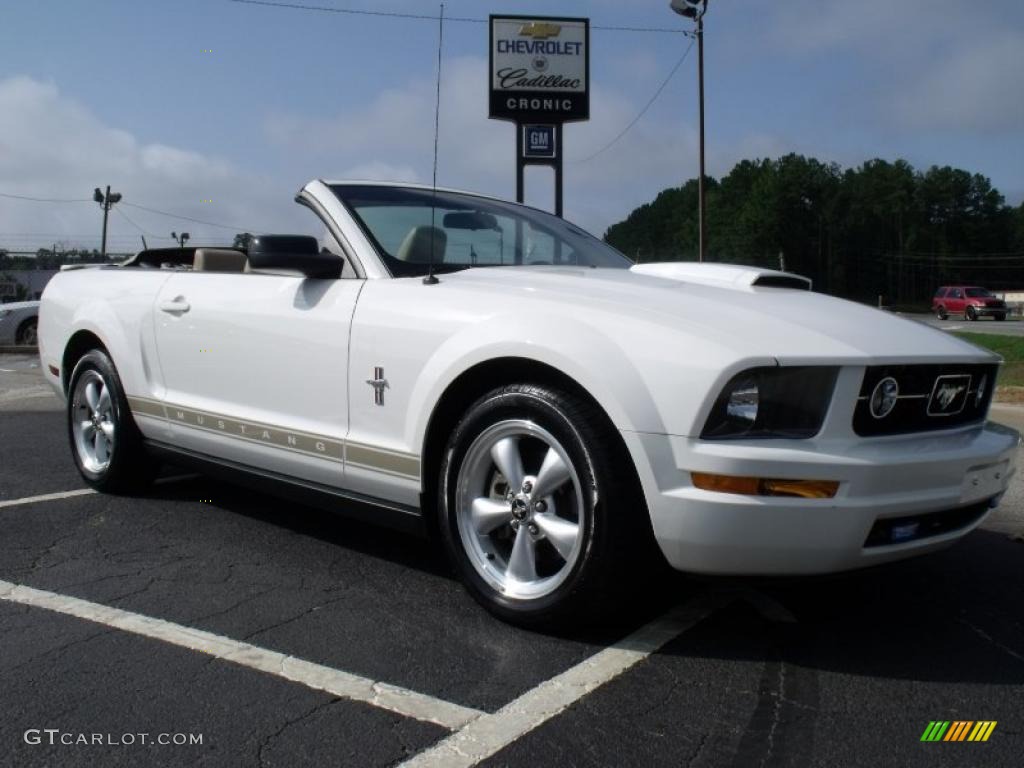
879, 228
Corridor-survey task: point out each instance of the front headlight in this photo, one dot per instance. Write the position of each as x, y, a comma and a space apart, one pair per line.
788, 402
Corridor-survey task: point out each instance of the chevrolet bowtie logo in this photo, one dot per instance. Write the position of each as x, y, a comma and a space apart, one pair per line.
539, 30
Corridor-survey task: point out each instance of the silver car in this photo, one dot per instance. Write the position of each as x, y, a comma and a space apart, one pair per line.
18, 322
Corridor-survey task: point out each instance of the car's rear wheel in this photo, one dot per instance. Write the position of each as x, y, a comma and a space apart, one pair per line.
1001, 316
941, 313
971, 313
105, 442
537, 508
28, 335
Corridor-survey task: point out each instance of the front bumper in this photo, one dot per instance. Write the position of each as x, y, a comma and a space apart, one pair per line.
990, 311
898, 497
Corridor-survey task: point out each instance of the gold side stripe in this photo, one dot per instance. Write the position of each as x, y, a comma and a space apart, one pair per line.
305, 443
375, 458
168, 411
147, 407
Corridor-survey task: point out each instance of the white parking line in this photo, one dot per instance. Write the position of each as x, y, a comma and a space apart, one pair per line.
46, 497
341, 684
489, 734
14, 395
82, 492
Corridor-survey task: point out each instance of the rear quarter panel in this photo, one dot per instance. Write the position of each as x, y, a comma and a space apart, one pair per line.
115, 305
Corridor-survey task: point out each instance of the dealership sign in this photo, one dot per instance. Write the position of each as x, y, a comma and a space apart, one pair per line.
540, 69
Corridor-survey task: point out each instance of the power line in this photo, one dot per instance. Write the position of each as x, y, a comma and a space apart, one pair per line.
188, 218
133, 205
643, 111
929, 258
143, 231
431, 17
47, 199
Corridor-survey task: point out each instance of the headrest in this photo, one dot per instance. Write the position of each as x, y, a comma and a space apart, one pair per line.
422, 244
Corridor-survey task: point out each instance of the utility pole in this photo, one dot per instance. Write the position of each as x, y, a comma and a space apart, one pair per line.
695, 9
700, 87
106, 201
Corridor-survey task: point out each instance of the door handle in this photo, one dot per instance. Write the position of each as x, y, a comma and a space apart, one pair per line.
177, 305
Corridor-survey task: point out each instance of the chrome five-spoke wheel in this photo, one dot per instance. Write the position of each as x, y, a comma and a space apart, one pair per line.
519, 509
105, 441
539, 508
93, 421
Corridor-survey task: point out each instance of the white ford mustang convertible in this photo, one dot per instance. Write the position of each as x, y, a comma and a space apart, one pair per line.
440, 360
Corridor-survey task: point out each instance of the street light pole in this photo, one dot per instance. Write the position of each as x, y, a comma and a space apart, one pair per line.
695, 9
106, 201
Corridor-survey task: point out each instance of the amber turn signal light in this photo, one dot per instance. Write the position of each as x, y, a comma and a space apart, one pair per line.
763, 486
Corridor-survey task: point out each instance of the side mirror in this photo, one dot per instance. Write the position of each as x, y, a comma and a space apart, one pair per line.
293, 252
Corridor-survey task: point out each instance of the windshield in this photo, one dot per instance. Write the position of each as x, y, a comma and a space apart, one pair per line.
412, 227
979, 293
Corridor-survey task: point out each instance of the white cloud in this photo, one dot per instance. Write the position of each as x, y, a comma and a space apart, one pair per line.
380, 171
58, 148
828, 25
392, 138
941, 65
972, 89
52, 147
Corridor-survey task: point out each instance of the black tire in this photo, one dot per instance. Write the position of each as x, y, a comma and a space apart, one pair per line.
27, 333
1001, 316
971, 313
616, 544
941, 313
128, 468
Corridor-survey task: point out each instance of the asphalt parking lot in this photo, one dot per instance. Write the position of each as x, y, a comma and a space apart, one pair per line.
282, 636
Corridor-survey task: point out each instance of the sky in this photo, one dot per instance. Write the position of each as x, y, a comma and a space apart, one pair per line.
220, 110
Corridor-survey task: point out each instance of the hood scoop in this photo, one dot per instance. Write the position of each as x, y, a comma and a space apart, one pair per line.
733, 276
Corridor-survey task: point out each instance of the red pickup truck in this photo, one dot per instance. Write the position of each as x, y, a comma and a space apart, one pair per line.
969, 301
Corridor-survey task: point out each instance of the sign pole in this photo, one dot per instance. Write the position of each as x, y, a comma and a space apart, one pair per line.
520, 165
539, 80
558, 170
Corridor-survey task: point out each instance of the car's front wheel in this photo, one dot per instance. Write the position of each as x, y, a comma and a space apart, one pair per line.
538, 508
105, 443
941, 313
1001, 316
971, 313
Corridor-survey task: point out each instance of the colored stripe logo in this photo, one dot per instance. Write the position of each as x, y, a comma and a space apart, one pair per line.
958, 730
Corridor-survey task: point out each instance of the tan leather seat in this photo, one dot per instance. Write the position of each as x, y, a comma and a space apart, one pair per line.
422, 245
219, 260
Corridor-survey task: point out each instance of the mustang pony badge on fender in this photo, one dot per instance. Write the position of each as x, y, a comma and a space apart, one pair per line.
379, 384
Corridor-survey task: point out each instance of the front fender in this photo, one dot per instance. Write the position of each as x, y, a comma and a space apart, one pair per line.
578, 350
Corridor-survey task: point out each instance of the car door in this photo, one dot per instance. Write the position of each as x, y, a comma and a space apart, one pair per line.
255, 368
955, 301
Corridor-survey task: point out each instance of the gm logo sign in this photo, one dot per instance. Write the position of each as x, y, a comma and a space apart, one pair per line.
539, 141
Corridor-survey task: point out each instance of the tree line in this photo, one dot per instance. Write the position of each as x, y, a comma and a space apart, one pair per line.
47, 258
881, 229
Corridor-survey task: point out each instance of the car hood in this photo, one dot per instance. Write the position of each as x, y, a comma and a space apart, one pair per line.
724, 306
